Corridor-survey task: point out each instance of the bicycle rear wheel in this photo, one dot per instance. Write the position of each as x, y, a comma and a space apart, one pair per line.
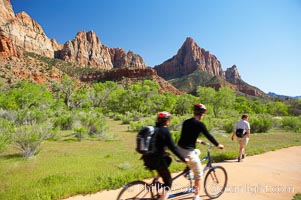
215, 182
136, 190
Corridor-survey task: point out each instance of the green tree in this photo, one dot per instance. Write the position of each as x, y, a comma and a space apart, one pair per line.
65, 89
185, 104
277, 108
26, 95
206, 95
100, 93
224, 99
242, 105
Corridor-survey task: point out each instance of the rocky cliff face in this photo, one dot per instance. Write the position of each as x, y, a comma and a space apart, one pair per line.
121, 59
87, 49
189, 58
24, 32
7, 48
20, 33
6, 12
193, 66
232, 75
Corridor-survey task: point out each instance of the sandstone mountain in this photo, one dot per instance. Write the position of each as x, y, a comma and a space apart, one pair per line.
25, 33
19, 33
189, 58
87, 59
193, 66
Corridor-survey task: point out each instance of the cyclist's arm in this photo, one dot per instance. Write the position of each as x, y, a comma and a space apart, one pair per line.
171, 145
209, 136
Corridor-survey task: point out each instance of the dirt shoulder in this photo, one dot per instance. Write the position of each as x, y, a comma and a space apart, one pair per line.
273, 175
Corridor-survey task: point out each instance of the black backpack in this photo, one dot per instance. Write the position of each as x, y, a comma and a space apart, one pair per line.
146, 140
240, 132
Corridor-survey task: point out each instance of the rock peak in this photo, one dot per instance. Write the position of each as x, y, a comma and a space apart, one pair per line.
189, 58
232, 75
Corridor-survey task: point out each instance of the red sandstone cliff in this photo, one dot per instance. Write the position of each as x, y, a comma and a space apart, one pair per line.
189, 58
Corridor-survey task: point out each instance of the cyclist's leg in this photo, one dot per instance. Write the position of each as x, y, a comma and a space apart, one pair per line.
163, 171
197, 169
195, 165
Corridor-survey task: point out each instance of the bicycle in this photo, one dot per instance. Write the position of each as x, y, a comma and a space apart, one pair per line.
215, 183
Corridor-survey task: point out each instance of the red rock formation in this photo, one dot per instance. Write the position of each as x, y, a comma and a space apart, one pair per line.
126, 76
232, 75
24, 32
86, 49
121, 59
7, 48
189, 58
6, 11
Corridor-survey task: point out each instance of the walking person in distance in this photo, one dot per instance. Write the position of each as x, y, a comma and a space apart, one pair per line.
242, 132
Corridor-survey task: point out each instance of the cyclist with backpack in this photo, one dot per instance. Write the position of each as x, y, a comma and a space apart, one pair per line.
242, 132
160, 160
191, 130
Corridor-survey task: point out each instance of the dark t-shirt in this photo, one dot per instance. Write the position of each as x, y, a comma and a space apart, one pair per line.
163, 140
191, 130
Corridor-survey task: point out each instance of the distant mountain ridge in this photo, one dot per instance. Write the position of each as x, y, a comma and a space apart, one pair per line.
272, 94
192, 66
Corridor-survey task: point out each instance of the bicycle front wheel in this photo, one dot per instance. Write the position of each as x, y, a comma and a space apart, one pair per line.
215, 182
137, 190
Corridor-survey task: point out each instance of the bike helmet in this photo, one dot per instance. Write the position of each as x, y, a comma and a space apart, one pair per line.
199, 109
162, 117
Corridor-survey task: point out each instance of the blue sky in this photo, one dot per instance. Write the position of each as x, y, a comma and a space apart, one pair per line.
261, 37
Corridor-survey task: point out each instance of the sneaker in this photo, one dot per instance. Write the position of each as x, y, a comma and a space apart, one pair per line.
197, 198
238, 159
243, 156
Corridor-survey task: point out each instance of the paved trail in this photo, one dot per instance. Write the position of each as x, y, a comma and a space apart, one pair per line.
274, 175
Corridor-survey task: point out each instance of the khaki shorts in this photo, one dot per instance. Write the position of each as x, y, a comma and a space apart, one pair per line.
243, 141
194, 162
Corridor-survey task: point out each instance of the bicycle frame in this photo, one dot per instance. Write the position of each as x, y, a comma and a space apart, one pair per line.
214, 174
187, 170
208, 157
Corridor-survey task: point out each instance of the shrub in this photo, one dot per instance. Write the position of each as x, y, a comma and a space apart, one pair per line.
291, 123
28, 138
92, 121
130, 116
80, 133
30, 116
64, 122
229, 125
137, 125
5, 134
261, 123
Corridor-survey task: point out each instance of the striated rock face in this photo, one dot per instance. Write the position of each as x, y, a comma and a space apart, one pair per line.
87, 49
189, 58
6, 12
232, 75
7, 48
25, 33
121, 59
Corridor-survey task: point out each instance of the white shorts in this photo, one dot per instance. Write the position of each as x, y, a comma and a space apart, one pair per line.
194, 162
243, 141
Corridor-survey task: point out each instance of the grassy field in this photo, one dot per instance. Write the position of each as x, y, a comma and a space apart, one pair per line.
68, 167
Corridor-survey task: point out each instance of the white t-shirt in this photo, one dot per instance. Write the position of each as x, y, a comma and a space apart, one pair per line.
242, 124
